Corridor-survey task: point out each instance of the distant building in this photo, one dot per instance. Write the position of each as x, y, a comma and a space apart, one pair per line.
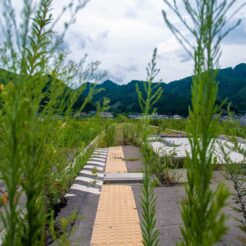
81, 115
153, 117
106, 115
134, 116
224, 118
92, 112
177, 117
243, 121
162, 116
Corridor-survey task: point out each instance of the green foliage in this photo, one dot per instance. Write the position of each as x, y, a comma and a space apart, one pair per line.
168, 124
104, 106
60, 233
151, 93
74, 133
161, 167
108, 136
123, 98
202, 204
148, 200
110, 132
236, 172
237, 176
32, 106
131, 134
226, 127
24, 145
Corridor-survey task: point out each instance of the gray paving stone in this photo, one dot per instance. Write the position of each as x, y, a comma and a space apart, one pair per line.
123, 178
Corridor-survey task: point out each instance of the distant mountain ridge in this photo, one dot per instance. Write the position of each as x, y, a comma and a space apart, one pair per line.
176, 94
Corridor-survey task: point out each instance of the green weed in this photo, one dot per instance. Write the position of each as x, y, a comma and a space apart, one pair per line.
35, 105
207, 28
147, 99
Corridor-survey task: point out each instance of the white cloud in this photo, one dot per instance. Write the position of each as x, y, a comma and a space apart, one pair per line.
123, 33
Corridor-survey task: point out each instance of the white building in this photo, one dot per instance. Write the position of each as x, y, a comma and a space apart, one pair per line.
106, 115
177, 117
243, 121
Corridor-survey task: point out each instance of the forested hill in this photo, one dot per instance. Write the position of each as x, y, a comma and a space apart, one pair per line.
176, 94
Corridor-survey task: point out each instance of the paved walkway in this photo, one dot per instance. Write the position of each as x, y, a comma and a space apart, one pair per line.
111, 215
117, 221
115, 162
90, 179
82, 199
109, 212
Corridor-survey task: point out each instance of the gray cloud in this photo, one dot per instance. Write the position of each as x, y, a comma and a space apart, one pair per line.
183, 56
65, 46
97, 42
131, 13
238, 35
123, 34
164, 56
178, 54
115, 78
128, 68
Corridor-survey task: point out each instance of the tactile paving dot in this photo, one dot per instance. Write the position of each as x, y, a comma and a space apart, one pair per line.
115, 161
117, 221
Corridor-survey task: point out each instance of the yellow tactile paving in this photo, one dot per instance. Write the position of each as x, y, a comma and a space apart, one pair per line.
115, 162
117, 221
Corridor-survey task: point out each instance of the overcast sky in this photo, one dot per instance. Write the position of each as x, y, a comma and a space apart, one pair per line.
123, 33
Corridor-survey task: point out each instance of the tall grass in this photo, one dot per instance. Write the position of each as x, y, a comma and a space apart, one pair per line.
204, 221
169, 124
31, 105
236, 172
147, 98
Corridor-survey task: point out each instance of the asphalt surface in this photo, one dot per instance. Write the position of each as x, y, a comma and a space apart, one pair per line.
85, 205
168, 209
82, 199
133, 159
